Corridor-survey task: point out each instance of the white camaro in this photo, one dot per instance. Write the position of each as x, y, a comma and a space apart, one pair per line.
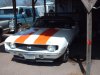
47, 40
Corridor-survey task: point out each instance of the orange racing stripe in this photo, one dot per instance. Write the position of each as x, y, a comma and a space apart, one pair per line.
22, 38
43, 38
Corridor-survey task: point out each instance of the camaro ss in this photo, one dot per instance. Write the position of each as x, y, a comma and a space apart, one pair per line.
48, 39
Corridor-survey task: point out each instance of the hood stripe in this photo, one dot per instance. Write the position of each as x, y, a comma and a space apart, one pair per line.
22, 38
43, 37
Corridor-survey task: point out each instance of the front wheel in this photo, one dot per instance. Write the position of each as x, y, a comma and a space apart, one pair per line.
65, 56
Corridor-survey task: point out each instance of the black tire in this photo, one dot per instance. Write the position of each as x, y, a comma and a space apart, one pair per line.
65, 56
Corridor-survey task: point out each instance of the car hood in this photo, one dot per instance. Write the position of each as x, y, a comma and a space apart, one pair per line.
43, 36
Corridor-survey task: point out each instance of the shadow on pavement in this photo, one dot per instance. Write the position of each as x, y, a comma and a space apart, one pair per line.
79, 61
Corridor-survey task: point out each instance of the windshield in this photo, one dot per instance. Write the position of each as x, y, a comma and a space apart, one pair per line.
6, 12
53, 23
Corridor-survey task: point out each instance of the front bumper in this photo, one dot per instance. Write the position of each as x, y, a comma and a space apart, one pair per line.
35, 55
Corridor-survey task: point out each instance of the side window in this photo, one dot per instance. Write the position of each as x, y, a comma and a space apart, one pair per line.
28, 13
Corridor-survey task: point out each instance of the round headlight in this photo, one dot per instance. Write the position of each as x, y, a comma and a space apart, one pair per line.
51, 48
12, 45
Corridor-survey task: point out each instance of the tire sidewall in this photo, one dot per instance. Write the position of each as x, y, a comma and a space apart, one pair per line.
65, 56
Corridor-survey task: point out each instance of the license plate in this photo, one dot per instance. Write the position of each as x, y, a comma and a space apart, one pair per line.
28, 56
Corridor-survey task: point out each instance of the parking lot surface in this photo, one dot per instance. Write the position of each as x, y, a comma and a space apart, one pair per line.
9, 67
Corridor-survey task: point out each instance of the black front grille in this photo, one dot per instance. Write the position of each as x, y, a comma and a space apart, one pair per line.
31, 47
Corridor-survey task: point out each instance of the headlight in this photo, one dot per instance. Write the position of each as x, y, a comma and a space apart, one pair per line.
51, 48
12, 45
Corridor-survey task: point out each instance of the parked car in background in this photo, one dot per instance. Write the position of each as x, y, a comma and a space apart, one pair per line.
48, 40
24, 18
41, 9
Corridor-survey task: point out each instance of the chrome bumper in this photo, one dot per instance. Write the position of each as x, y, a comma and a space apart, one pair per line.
35, 55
